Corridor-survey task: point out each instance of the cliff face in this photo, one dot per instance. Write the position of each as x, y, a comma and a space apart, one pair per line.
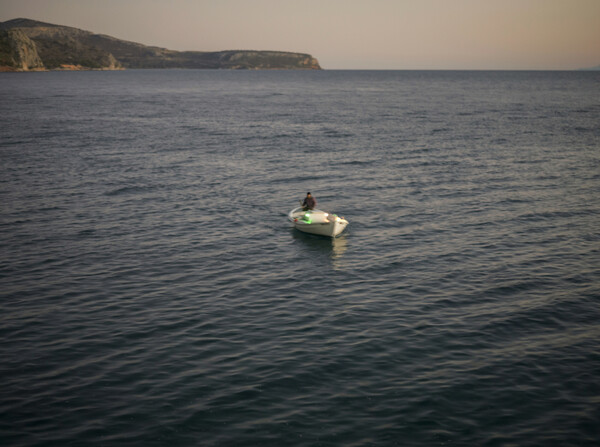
18, 52
62, 47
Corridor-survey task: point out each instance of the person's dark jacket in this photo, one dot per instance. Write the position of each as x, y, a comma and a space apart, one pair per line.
309, 202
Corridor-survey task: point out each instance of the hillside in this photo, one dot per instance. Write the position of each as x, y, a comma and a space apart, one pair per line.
30, 45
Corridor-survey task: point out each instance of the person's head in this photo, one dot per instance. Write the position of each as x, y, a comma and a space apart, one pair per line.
307, 194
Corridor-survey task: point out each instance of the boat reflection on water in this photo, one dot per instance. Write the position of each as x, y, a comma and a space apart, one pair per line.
323, 247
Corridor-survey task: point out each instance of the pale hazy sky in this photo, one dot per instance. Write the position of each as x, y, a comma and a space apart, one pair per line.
352, 34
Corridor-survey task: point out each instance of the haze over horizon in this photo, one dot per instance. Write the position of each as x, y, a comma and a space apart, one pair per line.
350, 34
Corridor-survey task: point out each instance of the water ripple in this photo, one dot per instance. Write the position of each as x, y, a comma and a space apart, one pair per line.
154, 293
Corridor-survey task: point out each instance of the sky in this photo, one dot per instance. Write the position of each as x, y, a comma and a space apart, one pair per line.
350, 34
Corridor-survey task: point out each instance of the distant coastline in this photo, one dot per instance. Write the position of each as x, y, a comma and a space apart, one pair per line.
29, 45
596, 68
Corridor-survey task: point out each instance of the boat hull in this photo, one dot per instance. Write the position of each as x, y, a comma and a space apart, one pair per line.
317, 222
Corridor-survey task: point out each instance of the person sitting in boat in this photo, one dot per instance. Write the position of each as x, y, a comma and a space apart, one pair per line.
309, 202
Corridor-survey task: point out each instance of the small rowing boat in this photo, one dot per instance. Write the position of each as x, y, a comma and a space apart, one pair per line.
317, 222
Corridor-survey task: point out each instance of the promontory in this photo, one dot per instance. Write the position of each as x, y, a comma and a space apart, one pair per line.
29, 45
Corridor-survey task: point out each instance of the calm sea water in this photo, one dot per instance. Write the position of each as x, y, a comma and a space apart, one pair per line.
153, 293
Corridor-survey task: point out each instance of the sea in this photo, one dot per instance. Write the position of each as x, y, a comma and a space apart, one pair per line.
154, 293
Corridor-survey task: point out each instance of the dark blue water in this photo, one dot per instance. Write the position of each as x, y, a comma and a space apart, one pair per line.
153, 293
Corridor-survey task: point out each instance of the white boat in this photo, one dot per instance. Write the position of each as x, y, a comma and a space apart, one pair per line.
317, 222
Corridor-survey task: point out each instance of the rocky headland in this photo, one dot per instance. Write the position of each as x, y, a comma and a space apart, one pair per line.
29, 45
